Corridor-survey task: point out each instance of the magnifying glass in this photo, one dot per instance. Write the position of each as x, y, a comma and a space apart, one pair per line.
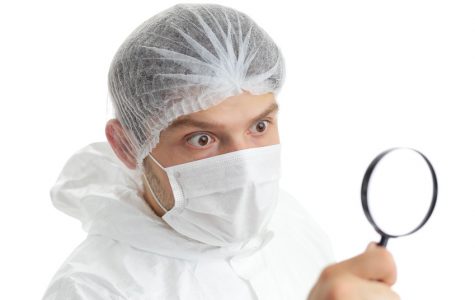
399, 192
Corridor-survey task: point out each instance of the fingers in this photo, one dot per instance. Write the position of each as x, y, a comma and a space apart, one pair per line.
376, 264
367, 276
346, 286
374, 290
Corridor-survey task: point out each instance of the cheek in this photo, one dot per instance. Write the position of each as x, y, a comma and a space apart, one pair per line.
269, 138
274, 134
183, 153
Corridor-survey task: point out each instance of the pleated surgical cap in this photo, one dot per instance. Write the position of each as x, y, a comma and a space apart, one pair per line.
186, 59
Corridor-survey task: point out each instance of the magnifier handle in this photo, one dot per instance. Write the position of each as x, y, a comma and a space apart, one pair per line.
384, 241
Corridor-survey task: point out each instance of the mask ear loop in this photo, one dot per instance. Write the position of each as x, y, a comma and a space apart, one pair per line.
150, 188
156, 161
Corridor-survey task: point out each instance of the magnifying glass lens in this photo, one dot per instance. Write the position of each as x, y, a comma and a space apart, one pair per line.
399, 192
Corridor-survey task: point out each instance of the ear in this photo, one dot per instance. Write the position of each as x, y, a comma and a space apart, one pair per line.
120, 143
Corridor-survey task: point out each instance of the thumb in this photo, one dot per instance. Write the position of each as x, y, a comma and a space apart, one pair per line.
371, 246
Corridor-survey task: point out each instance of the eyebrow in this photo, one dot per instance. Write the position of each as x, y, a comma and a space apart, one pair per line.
207, 125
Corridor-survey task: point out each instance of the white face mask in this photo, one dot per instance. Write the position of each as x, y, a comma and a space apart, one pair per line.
224, 199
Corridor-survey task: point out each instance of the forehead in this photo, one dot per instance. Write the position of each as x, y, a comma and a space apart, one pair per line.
240, 108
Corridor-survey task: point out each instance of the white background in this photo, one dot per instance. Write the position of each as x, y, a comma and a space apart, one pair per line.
362, 76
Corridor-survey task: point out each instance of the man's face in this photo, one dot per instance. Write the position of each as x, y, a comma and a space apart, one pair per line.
239, 122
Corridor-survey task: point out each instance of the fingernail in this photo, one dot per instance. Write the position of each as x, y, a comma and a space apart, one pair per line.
371, 245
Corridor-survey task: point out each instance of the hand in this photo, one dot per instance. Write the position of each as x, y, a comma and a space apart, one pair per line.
367, 276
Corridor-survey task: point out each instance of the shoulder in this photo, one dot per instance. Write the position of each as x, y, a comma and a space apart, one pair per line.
299, 249
102, 268
82, 275
292, 224
81, 286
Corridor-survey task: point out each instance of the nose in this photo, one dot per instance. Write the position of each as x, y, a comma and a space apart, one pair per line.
236, 144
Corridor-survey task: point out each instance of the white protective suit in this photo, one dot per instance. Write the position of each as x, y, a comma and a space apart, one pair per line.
130, 253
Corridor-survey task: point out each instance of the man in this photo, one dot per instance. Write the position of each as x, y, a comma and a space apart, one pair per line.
184, 202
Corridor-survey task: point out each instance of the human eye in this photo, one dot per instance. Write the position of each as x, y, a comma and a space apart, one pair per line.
200, 140
260, 126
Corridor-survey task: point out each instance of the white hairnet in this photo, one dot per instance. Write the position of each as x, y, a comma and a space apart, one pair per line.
185, 59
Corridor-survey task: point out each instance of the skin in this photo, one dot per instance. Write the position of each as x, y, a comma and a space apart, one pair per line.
368, 276
238, 122
241, 122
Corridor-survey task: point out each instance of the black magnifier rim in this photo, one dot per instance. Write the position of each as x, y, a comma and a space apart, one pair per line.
364, 192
